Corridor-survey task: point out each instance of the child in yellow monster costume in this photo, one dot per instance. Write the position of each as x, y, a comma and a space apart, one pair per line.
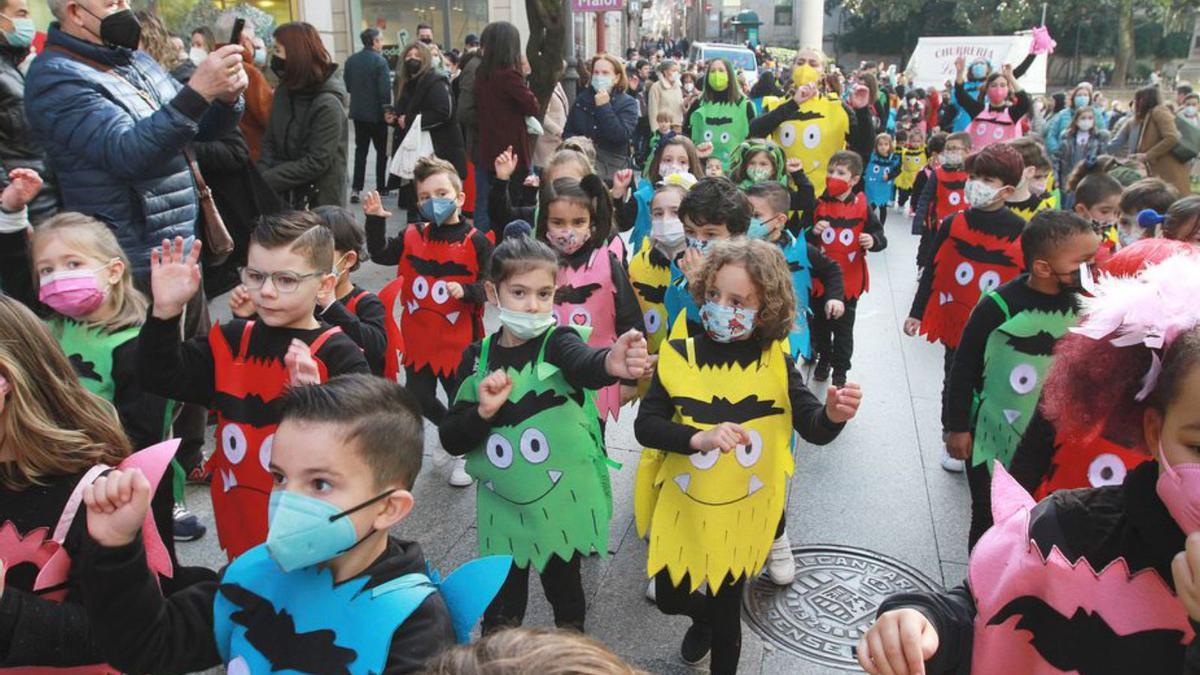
720, 412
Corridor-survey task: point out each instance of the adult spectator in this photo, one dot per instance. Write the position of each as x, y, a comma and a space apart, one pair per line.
502, 101
304, 149
425, 92
466, 114
369, 82
259, 94
1081, 97
639, 87
471, 43
666, 95
1158, 135
425, 34
19, 149
605, 113
720, 119
1181, 93
552, 126
115, 124
203, 42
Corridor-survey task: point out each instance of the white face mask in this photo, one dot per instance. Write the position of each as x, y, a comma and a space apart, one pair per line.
668, 232
689, 87
1086, 125
197, 55
979, 193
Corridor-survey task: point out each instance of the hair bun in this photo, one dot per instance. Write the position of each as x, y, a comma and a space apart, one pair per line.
593, 185
517, 228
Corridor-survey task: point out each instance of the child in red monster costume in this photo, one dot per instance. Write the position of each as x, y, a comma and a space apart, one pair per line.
974, 251
241, 368
441, 260
943, 193
1083, 435
1100, 580
844, 229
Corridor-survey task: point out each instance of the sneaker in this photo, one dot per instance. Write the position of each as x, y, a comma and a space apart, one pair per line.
951, 464
839, 380
353, 197
199, 476
821, 370
697, 642
651, 592
459, 476
187, 526
781, 566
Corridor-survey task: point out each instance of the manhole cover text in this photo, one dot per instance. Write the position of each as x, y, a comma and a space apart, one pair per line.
831, 604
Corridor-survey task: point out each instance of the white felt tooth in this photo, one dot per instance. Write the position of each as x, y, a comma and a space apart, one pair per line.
452, 317
1011, 415
490, 486
756, 484
852, 255
683, 480
554, 476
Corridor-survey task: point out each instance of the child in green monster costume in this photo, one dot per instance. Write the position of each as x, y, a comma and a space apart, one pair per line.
525, 419
1005, 351
720, 118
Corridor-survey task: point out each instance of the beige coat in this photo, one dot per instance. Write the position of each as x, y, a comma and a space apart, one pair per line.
552, 124
1159, 137
666, 99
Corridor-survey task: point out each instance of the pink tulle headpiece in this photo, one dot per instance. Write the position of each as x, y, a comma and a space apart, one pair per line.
1042, 42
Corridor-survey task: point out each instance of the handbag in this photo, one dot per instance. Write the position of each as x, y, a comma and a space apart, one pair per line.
1188, 146
218, 244
417, 143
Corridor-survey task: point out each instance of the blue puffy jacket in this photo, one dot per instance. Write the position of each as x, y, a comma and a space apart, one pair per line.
118, 155
609, 126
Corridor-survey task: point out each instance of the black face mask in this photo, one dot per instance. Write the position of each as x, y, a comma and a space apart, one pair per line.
427, 41
412, 66
277, 66
119, 29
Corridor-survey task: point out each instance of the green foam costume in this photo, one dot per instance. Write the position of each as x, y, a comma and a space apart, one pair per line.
723, 124
543, 483
1016, 359
91, 352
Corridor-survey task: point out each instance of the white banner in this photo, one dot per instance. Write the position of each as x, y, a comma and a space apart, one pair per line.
932, 62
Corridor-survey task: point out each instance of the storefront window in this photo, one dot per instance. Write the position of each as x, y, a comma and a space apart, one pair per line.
398, 21
181, 16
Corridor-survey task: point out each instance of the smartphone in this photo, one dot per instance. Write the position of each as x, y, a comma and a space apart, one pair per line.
235, 38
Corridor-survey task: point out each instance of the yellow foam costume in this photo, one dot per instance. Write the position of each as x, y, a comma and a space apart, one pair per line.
813, 134
912, 161
712, 515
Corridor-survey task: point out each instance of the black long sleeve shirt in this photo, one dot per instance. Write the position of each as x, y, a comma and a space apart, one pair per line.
655, 428
1001, 223
388, 251
973, 107
365, 325
142, 632
967, 373
829, 273
464, 430
1099, 525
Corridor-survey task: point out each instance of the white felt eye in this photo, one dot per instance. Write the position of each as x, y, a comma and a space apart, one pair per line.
233, 443
846, 236
964, 273
440, 292
955, 199
989, 280
1023, 378
829, 236
1106, 469
653, 321
264, 452
787, 135
812, 136
725, 137
705, 460
420, 287
534, 447
499, 451
708, 134
748, 455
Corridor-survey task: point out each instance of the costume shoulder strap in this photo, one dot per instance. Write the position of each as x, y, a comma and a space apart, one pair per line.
485, 349
323, 338
244, 343
1000, 302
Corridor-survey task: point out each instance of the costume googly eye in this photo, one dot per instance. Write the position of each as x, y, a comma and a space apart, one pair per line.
420, 288
787, 134
829, 236
846, 236
264, 452
233, 443
499, 451
579, 316
875, 169
812, 136
725, 137
708, 134
989, 280
705, 460
1023, 378
653, 321
964, 273
749, 454
955, 199
534, 447
1106, 469
440, 292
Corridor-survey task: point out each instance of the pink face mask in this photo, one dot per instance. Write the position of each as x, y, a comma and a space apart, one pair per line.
568, 242
1179, 489
997, 95
73, 293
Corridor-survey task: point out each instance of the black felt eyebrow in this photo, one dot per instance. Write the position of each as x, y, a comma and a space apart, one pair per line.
721, 409
513, 413
437, 268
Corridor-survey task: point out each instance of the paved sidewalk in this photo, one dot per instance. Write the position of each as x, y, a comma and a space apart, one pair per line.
879, 487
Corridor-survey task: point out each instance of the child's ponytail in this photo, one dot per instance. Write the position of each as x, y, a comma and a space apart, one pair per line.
602, 206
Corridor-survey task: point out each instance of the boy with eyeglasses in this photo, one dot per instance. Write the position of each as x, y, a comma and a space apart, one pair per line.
242, 367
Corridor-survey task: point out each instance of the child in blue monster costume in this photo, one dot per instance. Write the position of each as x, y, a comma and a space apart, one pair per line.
330, 591
879, 177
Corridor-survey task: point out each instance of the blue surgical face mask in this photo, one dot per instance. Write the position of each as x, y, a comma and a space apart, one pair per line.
978, 71
260, 57
22, 32
758, 229
438, 210
526, 325
601, 83
1081, 100
726, 324
305, 531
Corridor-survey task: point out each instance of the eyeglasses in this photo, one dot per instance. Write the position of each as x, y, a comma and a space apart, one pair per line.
284, 282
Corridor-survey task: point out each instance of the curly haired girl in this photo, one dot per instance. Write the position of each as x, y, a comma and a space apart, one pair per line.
719, 414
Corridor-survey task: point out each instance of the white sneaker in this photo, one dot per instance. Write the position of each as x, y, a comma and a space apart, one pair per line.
459, 476
651, 593
781, 566
952, 465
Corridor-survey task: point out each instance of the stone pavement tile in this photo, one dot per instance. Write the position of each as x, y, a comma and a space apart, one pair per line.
622, 487
779, 662
949, 498
953, 574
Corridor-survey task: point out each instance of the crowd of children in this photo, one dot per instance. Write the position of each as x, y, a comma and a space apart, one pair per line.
701, 289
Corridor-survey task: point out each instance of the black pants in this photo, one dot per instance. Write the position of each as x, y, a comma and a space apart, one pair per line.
902, 196
979, 482
882, 214
833, 339
947, 366
423, 385
719, 609
564, 590
365, 135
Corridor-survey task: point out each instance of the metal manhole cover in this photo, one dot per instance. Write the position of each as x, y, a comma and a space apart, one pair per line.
831, 603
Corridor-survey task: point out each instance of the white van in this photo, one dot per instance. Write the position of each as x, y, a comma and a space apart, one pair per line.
741, 57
